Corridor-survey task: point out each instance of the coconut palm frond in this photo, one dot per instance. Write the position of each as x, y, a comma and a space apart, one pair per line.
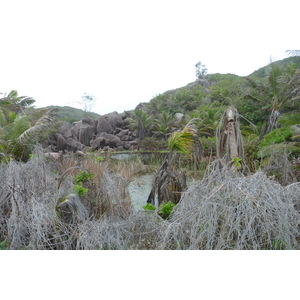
182, 141
41, 130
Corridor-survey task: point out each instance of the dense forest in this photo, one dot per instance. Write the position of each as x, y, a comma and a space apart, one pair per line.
223, 151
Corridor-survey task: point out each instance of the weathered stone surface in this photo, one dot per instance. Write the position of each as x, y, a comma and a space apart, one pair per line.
68, 144
86, 134
103, 126
61, 142
117, 130
79, 153
178, 117
111, 140
64, 127
142, 106
54, 155
125, 138
98, 143
88, 121
114, 119
122, 133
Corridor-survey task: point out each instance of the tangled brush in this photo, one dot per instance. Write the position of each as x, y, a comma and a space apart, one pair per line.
230, 211
225, 210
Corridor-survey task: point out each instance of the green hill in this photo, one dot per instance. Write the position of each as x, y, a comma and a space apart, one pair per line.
261, 72
71, 114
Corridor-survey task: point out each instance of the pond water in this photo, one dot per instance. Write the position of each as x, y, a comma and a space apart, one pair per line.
139, 189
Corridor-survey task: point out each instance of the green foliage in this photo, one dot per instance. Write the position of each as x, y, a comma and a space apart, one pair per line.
262, 72
83, 177
207, 118
276, 136
79, 179
182, 142
289, 119
153, 144
166, 209
141, 122
237, 163
71, 114
3, 245
149, 206
80, 190
164, 123
100, 158
277, 244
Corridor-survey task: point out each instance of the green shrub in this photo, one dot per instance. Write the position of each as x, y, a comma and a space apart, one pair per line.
100, 158
80, 190
3, 245
149, 206
166, 209
152, 144
276, 136
83, 177
79, 180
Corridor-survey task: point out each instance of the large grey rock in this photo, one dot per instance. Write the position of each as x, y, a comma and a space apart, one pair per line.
64, 143
122, 133
98, 143
143, 106
111, 140
178, 118
125, 138
114, 119
64, 127
75, 130
88, 121
103, 126
86, 134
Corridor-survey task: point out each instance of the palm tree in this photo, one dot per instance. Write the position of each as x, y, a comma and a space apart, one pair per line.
228, 136
141, 122
164, 124
21, 135
275, 91
169, 185
12, 102
207, 118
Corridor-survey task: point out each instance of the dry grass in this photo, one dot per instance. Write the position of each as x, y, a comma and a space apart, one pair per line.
229, 211
222, 211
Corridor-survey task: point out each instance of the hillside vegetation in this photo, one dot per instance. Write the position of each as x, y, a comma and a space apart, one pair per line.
71, 114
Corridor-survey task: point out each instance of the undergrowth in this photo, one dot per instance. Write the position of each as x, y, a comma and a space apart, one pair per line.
223, 210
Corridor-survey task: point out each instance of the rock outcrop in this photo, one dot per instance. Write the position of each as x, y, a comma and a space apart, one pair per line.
107, 131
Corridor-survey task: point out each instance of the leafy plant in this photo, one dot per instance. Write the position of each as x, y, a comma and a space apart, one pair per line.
277, 244
152, 144
83, 177
4, 245
276, 136
166, 209
237, 162
100, 158
80, 190
79, 180
149, 206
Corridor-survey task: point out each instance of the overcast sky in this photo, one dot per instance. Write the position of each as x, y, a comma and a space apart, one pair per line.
126, 52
